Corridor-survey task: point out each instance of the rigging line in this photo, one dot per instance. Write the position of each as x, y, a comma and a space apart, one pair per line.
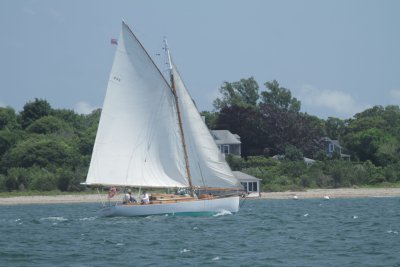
201, 174
103, 203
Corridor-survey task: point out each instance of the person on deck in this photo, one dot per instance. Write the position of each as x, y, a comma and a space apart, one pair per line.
128, 198
145, 198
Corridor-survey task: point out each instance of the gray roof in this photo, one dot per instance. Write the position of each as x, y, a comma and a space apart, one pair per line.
334, 142
225, 137
241, 176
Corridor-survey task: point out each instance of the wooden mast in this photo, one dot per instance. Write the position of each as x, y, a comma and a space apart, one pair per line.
189, 176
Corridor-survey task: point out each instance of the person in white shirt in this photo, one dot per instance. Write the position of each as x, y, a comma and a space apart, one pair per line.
145, 198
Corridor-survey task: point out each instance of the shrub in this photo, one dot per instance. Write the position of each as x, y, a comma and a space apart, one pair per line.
42, 180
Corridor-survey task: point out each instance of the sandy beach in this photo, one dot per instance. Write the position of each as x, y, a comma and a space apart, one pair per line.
311, 193
334, 193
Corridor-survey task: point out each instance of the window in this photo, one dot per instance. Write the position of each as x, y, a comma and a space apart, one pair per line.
255, 187
250, 187
226, 149
331, 147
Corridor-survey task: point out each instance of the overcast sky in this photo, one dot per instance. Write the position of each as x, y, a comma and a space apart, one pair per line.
337, 57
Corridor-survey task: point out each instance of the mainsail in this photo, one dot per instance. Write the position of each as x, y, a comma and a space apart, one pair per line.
138, 142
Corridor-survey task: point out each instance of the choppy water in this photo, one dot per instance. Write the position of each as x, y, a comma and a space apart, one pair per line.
338, 232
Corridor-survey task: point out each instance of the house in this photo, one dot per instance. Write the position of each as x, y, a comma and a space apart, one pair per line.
250, 183
332, 146
227, 142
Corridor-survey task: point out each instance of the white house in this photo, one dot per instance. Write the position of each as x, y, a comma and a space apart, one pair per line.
250, 183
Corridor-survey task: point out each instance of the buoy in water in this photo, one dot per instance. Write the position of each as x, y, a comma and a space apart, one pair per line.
326, 197
295, 198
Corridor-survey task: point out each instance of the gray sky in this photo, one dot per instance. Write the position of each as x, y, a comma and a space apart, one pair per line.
337, 57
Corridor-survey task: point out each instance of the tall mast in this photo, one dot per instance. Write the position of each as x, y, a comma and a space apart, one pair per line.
179, 118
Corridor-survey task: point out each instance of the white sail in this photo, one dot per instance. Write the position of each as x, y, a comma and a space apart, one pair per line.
207, 166
138, 141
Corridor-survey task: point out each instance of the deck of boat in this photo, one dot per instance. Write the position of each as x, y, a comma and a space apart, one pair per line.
159, 198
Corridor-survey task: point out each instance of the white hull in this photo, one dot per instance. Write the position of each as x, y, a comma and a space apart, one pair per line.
230, 204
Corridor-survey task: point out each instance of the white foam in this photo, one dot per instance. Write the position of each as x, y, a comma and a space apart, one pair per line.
355, 217
59, 219
305, 215
195, 228
88, 219
185, 250
223, 213
216, 258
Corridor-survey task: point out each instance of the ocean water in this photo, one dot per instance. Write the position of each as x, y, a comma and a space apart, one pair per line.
316, 232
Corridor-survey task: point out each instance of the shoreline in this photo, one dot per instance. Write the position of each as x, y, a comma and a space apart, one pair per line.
334, 193
308, 194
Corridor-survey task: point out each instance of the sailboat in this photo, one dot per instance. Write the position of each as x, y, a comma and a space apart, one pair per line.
152, 136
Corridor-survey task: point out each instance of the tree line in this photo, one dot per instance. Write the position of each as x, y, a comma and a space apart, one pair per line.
45, 149
42, 148
270, 123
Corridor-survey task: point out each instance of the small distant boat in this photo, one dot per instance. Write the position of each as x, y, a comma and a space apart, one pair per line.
151, 135
326, 197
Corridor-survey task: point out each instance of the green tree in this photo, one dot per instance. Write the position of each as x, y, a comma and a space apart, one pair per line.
41, 151
248, 124
33, 111
49, 125
7, 140
243, 93
279, 97
374, 135
41, 179
8, 118
335, 128
293, 153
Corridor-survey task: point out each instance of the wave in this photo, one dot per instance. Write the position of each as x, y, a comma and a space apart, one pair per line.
223, 213
88, 218
185, 250
53, 218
